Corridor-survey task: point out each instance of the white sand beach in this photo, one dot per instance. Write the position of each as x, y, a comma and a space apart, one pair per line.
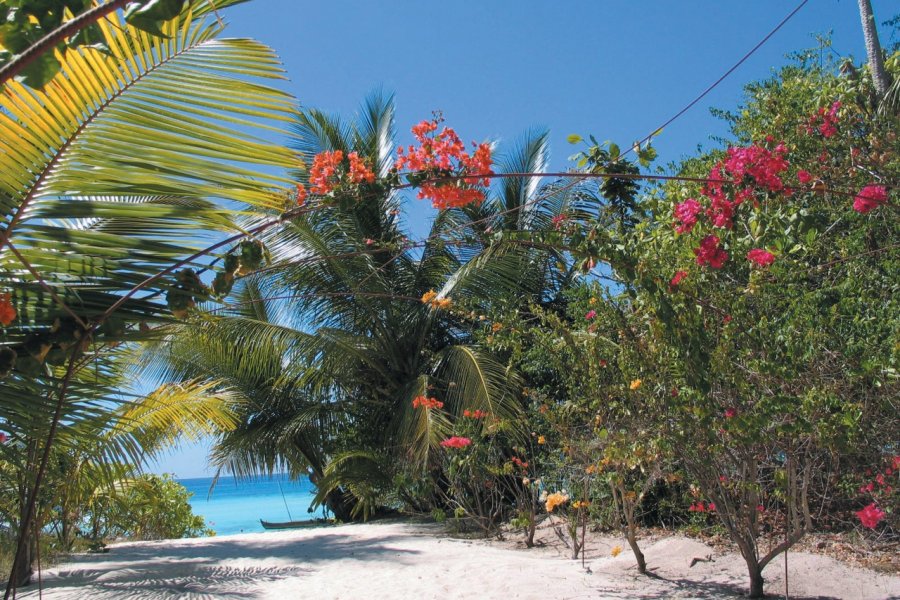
400, 560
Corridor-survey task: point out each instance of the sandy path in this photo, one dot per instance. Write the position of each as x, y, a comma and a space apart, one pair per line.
399, 561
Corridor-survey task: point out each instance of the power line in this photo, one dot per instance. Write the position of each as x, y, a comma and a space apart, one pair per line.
715, 84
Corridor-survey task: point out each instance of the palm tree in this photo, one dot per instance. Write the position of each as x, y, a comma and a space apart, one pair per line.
331, 344
107, 175
873, 49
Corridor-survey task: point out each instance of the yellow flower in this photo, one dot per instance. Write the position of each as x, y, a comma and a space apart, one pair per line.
496, 327
555, 499
542, 439
592, 301
428, 296
580, 504
591, 469
615, 551
635, 384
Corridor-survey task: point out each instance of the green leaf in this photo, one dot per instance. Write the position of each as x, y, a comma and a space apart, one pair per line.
614, 151
40, 71
574, 138
150, 15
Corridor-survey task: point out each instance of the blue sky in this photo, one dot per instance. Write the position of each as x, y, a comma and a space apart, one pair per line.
499, 67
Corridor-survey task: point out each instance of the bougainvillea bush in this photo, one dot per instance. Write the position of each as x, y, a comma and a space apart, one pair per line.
766, 277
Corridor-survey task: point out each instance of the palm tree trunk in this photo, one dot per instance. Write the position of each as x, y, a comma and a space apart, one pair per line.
873, 48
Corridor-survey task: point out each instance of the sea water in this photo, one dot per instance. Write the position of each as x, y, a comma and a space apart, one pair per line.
236, 506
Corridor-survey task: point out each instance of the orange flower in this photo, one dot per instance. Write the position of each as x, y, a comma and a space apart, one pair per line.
555, 499
301, 194
359, 172
324, 168
496, 327
423, 402
615, 551
7, 311
635, 384
541, 440
442, 303
428, 296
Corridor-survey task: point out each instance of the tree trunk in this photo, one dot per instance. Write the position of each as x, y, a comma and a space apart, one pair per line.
24, 566
638, 555
336, 502
756, 578
873, 48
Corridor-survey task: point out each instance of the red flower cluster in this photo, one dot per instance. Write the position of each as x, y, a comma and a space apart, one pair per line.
700, 507
559, 220
519, 462
324, 174
880, 484
678, 278
423, 402
456, 442
760, 257
301, 194
324, 167
359, 171
7, 311
870, 516
869, 198
710, 253
441, 154
744, 169
475, 414
824, 121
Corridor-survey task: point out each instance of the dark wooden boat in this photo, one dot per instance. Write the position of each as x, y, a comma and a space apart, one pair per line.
292, 524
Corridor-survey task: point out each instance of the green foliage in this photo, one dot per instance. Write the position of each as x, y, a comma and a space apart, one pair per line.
149, 507
25, 22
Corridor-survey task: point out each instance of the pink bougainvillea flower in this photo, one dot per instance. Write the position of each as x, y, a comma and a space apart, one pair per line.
870, 516
678, 278
590, 314
559, 220
730, 413
709, 253
726, 319
3, 438
456, 442
869, 198
686, 213
803, 176
760, 257
711, 507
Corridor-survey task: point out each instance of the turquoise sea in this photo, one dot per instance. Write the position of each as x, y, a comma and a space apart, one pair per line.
237, 506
